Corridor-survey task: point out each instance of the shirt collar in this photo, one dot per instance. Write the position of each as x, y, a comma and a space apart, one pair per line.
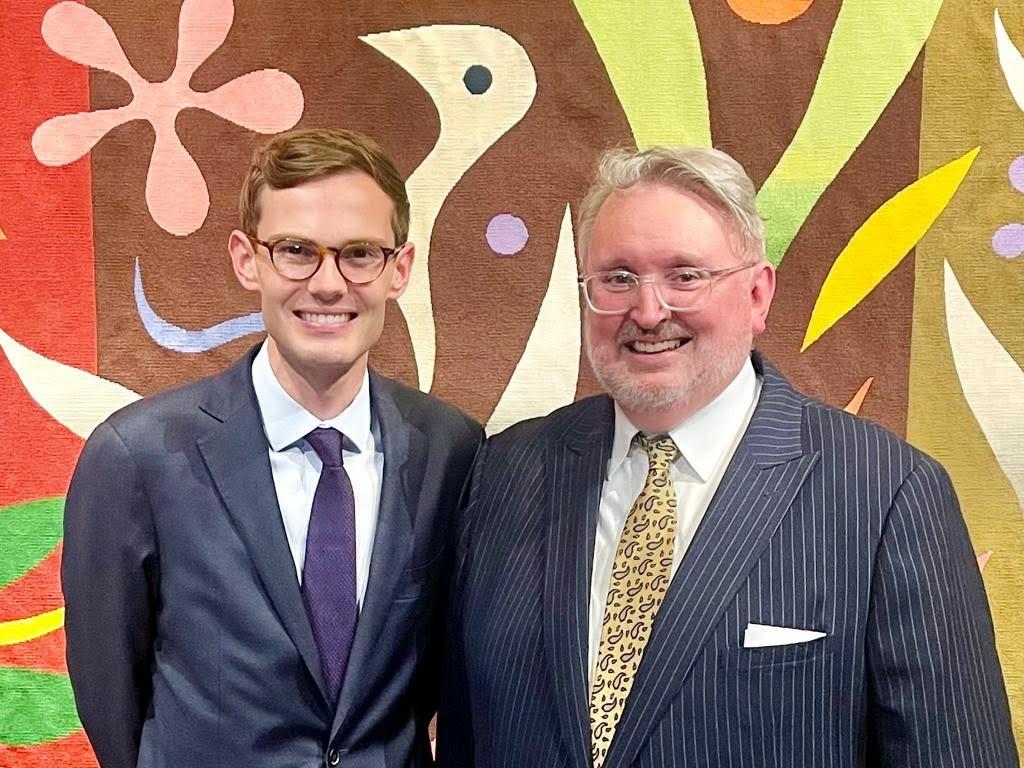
705, 436
285, 422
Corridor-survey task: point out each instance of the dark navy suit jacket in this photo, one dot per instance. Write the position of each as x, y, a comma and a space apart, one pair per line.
187, 641
822, 521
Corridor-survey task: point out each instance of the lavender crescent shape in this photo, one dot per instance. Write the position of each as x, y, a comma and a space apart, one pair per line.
178, 339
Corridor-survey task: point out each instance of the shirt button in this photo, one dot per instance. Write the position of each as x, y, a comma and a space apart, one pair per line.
333, 756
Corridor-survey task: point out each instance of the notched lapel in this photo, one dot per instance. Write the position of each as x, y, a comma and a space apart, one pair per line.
575, 468
404, 448
235, 452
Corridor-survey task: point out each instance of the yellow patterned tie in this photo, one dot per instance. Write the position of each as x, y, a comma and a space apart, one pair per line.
640, 578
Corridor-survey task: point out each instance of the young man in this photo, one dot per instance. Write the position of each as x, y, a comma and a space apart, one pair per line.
705, 567
252, 562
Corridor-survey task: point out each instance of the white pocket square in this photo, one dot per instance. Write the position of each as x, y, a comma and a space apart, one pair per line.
765, 635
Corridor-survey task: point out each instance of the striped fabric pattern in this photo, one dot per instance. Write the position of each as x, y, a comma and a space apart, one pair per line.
822, 522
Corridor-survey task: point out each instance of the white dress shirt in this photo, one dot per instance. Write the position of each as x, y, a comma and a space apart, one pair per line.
296, 466
707, 441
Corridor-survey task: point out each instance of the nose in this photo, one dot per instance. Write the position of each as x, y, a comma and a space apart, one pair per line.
648, 311
328, 282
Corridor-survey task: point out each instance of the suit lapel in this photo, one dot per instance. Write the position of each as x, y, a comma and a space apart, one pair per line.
235, 452
575, 473
762, 479
403, 448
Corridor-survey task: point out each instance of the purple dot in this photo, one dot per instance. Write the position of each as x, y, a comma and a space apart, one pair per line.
1017, 174
507, 234
1008, 241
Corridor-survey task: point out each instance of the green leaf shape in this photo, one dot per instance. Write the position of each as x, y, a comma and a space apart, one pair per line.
28, 533
651, 51
37, 707
873, 47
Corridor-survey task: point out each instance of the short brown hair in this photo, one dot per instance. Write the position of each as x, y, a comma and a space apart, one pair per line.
294, 157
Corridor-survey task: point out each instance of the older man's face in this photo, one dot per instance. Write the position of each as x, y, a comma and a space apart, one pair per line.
652, 360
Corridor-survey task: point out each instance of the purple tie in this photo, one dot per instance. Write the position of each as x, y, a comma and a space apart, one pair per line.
329, 572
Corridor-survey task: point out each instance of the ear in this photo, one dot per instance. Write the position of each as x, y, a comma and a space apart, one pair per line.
762, 290
402, 270
243, 260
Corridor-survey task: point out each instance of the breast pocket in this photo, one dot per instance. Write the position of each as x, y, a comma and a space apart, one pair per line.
786, 699
780, 656
419, 579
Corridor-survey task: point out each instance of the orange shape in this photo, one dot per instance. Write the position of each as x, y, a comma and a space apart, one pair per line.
983, 560
769, 11
858, 399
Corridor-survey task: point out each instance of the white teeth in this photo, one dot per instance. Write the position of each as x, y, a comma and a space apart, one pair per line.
661, 346
321, 319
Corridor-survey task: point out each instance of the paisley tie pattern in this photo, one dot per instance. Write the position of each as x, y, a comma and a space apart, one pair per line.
640, 577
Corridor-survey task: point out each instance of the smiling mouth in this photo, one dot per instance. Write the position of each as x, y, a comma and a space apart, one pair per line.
654, 347
326, 318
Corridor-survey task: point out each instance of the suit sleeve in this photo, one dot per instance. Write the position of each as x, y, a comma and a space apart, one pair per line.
455, 745
431, 674
936, 691
108, 574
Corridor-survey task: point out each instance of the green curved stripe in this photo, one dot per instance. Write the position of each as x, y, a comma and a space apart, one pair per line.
28, 533
873, 47
36, 707
651, 51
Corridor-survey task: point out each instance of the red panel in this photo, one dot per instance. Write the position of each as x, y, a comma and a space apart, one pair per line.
36, 592
47, 303
47, 295
73, 750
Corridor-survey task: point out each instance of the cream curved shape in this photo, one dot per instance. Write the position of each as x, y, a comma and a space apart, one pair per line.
77, 399
992, 382
1010, 61
438, 58
546, 375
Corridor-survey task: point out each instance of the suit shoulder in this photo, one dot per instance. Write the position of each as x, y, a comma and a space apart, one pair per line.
831, 430
178, 402
427, 412
556, 424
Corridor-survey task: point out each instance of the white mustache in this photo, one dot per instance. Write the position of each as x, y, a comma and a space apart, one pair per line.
663, 331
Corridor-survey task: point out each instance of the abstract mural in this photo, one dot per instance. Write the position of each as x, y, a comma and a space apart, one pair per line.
886, 140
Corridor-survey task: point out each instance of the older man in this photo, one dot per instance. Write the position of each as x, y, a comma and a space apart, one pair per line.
705, 567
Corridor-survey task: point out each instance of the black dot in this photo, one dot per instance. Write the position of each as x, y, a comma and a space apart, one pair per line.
478, 79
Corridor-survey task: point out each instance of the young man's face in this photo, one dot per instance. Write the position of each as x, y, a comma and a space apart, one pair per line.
321, 329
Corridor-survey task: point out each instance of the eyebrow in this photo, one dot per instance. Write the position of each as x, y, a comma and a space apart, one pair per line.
305, 239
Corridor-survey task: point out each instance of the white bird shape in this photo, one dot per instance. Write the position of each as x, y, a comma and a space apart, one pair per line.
441, 58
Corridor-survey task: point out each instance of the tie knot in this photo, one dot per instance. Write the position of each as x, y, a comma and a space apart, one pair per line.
661, 450
327, 443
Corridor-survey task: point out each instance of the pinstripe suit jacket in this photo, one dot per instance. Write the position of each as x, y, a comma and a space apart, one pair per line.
822, 521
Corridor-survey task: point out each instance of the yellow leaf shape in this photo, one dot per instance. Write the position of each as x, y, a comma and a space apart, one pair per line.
23, 630
854, 405
881, 243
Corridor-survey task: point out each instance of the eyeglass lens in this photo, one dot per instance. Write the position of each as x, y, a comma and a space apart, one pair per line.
358, 262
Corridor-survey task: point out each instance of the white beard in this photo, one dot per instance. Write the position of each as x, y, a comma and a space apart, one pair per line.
633, 394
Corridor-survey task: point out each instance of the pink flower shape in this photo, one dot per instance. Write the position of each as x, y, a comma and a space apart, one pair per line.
266, 101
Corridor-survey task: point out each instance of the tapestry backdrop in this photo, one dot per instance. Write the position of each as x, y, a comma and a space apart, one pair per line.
886, 139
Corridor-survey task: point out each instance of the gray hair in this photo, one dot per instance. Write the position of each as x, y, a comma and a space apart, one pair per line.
710, 174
